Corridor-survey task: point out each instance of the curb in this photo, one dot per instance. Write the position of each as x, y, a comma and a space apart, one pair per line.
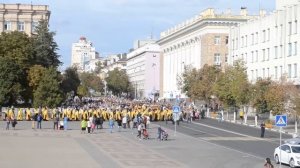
251, 125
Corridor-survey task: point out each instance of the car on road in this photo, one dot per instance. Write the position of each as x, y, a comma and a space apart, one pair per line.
288, 153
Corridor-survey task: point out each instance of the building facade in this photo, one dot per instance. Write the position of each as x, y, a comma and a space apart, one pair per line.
194, 43
22, 17
84, 55
143, 65
269, 44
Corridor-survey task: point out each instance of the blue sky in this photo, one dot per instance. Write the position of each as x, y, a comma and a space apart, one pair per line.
113, 25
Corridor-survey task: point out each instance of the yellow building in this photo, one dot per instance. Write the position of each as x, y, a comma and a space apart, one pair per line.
22, 17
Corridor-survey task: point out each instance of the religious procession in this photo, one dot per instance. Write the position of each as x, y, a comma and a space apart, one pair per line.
104, 108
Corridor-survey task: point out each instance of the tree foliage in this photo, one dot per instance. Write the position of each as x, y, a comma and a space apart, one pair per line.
233, 88
198, 84
45, 48
48, 92
118, 82
11, 81
91, 81
70, 80
18, 47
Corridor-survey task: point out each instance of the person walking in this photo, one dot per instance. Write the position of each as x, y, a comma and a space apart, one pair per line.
55, 122
7, 122
262, 129
83, 126
66, 123
140, 130
111, 124
89, 125
14, 123
268, 163
39, 119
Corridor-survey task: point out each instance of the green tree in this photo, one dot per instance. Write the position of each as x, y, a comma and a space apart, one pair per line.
82, 91
18, 47
45, 47
35, 74
233, 88
259, 94
198, 84
99, 67
118, 82
70, 81
11, 81
91, 81
48, 92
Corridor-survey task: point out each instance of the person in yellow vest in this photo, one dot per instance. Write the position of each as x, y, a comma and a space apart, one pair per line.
241, 115
76, 115
28, 114
20, 114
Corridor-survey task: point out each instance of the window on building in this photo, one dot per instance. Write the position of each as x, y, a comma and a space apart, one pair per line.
276, 73
252, 56
21, 26
290, 28
289, 49
268, 54
268, 72
226, 41
256, 74
217, 59
256, 38
233, 44
296, 27
7, 25
217, 40
237, 43
246, 57
275, 52
295, 70
289, 70
263, 73
226, 58
276, 31
281, 71
33, 26
252, 39
252, 75
281, 52
295, 48
242, 45
264, 36
268, 35
264, 55
246, 41
256, 56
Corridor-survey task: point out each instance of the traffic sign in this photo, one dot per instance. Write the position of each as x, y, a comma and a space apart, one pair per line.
176, 109
281, 120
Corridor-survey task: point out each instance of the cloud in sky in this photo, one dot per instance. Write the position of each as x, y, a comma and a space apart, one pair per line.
113, 25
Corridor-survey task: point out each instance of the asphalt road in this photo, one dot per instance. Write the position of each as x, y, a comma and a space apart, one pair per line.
234, 136
205, 142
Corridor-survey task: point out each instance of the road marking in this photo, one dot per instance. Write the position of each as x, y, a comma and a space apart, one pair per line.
220, 129
225, 147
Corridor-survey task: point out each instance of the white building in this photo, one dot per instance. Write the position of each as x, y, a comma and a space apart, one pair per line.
268, 45
84, 55
115, 61
195, 42
143, 66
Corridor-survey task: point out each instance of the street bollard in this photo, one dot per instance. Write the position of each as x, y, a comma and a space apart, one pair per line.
255, 120
234, 117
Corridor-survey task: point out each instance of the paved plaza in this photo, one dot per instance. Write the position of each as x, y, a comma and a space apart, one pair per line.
26, 147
